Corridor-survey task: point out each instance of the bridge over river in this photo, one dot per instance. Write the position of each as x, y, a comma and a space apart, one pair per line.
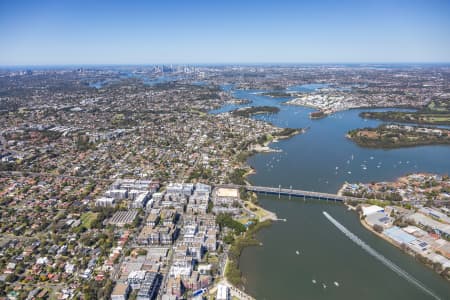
290, 192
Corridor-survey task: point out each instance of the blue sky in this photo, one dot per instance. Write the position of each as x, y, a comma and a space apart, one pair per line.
145, 32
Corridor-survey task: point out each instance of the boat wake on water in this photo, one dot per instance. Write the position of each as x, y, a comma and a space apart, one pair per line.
380, 257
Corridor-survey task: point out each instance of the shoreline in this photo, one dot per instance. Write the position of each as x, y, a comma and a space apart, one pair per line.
274, 139
398, 146
331, 112
265, 148
392, 242
269, 216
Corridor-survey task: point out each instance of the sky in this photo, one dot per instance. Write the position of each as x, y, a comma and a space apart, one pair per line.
62, 32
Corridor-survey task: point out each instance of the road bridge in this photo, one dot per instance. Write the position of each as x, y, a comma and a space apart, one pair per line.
290, 192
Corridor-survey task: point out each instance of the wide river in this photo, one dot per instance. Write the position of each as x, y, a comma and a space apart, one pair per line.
322, 159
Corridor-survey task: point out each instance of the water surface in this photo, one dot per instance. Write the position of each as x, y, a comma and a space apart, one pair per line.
323, 159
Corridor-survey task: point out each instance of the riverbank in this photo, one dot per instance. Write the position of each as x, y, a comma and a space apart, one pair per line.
286, 133
265, 217
425, 118
255, 110
262, 213
293, 102
398, 136
404, 249
247, 239
263, 149
311, 153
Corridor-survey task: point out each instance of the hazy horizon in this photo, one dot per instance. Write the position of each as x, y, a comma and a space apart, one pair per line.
237, 64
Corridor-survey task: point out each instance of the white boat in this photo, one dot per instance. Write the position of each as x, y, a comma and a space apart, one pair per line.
336, 283
324, 285
297, 252
314, 281
349, 172
371, 157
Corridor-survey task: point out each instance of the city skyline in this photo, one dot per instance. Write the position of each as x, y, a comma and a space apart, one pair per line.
118, 33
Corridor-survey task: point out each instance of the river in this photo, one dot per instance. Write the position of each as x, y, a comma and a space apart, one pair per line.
322, 159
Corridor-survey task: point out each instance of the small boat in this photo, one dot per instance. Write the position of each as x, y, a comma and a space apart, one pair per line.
260, 244
364, 168
349, 172
371, 157
324, 285
297, 252
336, 283
314, 281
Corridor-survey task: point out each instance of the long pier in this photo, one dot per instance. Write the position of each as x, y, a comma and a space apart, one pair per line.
290, 192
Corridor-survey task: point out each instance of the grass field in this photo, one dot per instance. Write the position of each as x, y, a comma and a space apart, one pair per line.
87, 219
256, 210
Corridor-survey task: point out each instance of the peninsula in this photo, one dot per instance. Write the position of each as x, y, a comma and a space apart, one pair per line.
398, 136
434, 113
255, 110
277, 94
